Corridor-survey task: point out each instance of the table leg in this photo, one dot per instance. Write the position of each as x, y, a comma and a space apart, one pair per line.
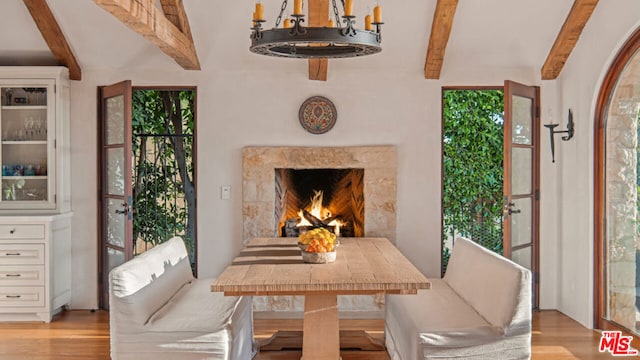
321, 337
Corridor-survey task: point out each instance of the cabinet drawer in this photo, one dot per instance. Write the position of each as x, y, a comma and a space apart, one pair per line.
22, 275
21, 296
31, 231
18, 254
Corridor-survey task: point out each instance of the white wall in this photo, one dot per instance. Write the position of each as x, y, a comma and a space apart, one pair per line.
611, 24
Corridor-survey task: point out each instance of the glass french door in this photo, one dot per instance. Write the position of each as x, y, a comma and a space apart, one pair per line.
116, 226
521, 178
617, 196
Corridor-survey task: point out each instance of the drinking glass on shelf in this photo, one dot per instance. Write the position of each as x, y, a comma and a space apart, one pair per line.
41, 128
18, 135
29, 128
29, 170
7, 96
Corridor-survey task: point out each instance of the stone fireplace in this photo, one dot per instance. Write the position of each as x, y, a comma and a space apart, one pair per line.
262, 218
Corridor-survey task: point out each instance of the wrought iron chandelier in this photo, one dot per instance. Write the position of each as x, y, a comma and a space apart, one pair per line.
335, 40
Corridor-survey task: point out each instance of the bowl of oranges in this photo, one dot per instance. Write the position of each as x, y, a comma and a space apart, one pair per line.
318, 246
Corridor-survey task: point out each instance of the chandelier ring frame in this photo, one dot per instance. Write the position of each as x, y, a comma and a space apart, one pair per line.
316, 42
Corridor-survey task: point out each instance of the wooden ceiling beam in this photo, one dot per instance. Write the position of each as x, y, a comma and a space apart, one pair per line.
143, 17
567, 38
53, 36
439, 37
174, 12
318, 16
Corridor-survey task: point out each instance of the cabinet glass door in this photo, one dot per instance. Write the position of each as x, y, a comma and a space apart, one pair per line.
26, 146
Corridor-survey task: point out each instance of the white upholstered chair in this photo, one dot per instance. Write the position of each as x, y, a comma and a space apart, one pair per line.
158, 310
481, 309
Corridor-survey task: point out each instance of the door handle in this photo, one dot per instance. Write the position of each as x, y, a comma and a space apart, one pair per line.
125, 209
509, 210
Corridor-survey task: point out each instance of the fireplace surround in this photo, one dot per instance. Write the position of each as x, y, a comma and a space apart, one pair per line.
259, 191
259, 164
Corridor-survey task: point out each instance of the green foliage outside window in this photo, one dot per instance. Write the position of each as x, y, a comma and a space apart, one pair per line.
162, 148
472, 167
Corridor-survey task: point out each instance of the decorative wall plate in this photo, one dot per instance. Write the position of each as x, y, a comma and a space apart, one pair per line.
317, 115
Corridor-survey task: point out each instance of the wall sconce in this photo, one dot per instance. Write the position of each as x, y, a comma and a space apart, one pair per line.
567, 137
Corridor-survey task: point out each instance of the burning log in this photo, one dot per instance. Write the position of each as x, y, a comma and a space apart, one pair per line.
312, 219
317, 222
290, 228
328, 220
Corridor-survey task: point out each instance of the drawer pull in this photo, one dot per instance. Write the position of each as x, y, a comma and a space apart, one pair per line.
12, 275
12, 254
12, 296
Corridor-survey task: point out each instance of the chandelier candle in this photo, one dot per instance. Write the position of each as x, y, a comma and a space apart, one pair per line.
367, 22
286, 24
259, 14
377, 14
297, 7
348, 7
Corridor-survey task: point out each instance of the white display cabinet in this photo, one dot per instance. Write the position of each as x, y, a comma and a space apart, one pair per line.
35, 202
34, 130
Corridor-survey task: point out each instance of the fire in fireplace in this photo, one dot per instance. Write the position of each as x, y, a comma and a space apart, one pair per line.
330, 198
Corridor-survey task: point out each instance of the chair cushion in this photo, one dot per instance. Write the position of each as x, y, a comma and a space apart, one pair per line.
195, 308
438, 323
195, 324
437, 316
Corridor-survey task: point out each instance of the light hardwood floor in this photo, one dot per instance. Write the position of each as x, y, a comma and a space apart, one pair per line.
85, 335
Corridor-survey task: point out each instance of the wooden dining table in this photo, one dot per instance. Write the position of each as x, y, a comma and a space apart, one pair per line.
363, 266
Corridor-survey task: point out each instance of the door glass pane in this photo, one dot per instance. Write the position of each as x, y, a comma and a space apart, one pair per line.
622, 207
115, 222
115, 171
521, 120
114, 258
521, 170
522, 257
521, 222
114, 120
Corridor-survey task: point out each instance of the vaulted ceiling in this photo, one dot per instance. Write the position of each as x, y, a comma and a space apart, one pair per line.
113, 33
